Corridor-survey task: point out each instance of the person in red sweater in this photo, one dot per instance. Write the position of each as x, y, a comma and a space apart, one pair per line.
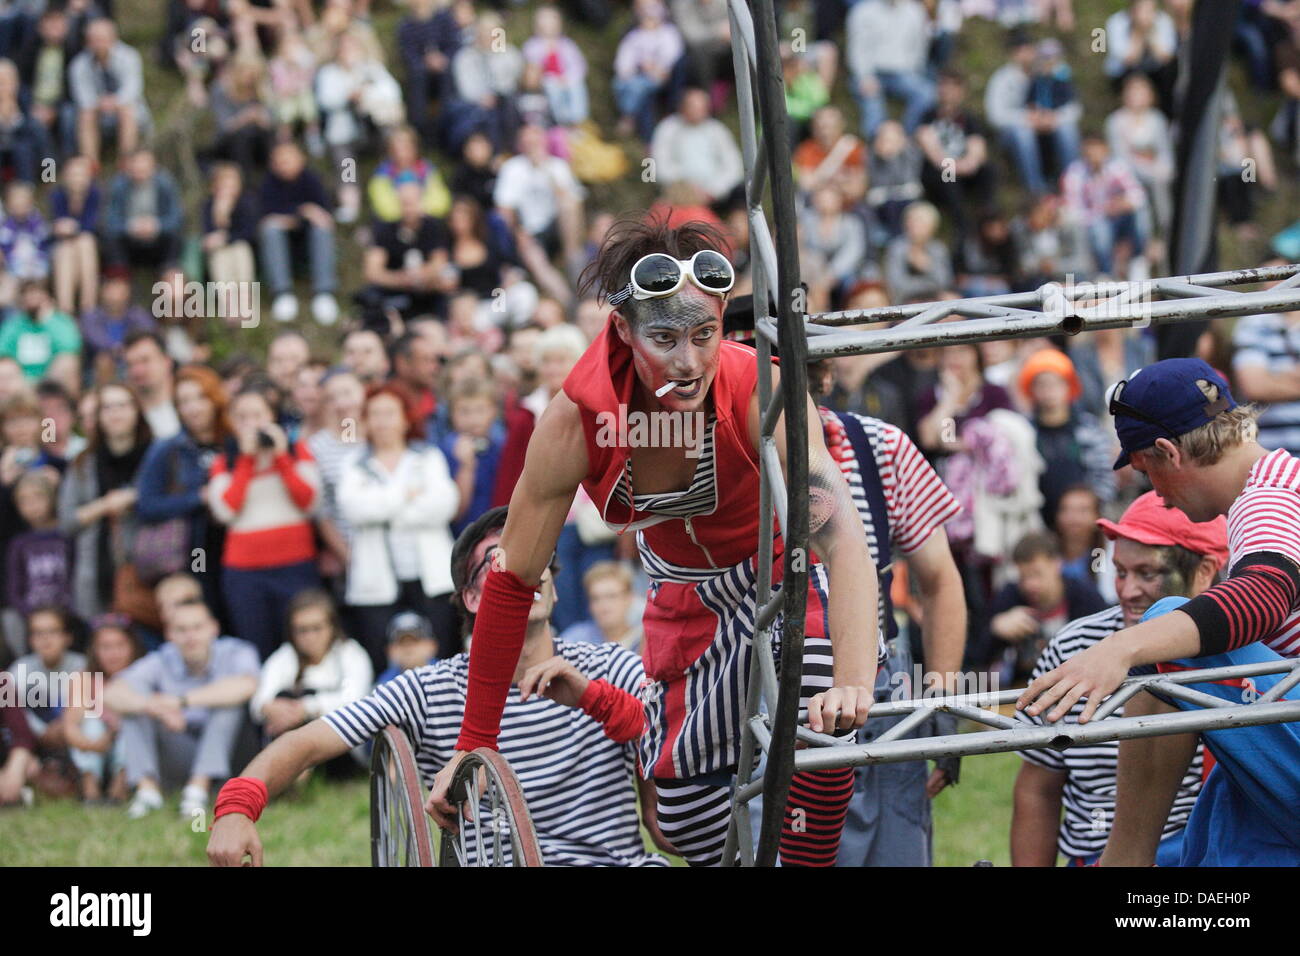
695, 506
264, 492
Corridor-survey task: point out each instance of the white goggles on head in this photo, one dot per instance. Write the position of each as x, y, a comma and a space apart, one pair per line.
659, 275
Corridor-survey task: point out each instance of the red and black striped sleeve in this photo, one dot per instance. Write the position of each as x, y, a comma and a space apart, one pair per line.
1252, 604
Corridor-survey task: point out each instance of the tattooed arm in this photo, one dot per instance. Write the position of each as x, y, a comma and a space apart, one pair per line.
837, 535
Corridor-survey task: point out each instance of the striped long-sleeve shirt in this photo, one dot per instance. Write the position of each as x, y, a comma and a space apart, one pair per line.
1260, 600
577, 781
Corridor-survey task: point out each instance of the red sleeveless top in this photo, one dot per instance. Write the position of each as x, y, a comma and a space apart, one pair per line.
603, 380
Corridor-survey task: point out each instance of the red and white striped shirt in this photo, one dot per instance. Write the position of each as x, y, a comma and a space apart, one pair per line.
266, 511
1266, 517
916, 498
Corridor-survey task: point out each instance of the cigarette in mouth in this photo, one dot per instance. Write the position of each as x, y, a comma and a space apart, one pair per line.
666, 389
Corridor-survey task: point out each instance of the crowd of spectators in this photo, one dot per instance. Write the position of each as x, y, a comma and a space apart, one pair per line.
241, 538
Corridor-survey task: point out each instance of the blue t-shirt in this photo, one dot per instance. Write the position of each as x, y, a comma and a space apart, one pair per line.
485, 476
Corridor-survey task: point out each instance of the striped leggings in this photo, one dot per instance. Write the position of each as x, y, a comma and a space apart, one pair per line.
693, 813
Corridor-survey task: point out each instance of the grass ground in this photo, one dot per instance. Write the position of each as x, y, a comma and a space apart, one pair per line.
328, 824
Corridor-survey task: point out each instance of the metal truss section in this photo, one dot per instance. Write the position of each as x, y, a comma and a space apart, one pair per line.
1002, 733
1053, 309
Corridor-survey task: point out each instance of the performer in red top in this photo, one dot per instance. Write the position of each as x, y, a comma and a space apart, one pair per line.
659, 421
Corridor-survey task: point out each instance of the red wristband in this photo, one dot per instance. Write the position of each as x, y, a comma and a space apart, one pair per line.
246, 795
499, 629
619, 712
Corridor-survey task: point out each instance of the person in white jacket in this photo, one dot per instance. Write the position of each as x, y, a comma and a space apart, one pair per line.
317, 670
351, 91
398, 496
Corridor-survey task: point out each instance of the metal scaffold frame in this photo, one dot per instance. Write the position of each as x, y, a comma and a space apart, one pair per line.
1053, 309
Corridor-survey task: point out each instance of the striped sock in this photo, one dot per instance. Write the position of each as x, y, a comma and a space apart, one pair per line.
694, 818
814, 817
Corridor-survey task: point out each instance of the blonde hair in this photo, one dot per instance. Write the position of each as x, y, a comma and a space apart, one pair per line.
1207, 444
564, 338
602, 570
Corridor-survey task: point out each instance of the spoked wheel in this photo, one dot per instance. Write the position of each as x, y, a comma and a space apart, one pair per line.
399, 829
501, 832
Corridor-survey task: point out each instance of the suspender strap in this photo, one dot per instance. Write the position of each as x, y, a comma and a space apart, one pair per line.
874, 490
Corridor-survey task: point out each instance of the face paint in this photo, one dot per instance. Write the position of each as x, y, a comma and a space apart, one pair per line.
676, 345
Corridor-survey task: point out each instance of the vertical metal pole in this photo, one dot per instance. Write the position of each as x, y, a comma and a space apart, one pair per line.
792, 348
1202, 68
739, 838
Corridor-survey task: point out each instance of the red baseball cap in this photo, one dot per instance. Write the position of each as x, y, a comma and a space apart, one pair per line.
1149, 521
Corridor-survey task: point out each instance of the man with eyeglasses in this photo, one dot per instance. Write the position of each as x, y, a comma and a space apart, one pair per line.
1158, 552
567, 729
1179, 425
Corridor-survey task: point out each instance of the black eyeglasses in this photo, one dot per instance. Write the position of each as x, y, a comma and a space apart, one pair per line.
487, 557
1118, 407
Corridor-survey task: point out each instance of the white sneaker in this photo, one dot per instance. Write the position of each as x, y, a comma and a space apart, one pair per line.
27, 795
324, 308
346, 215
194, 798
285, 307
145, 802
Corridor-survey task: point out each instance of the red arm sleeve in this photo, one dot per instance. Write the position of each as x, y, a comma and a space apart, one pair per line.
621, 714
499, 629
300, 492
239, 479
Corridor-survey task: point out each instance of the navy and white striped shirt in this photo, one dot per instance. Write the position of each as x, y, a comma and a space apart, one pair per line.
1090, 769
700, 498
578, 782
1271, 343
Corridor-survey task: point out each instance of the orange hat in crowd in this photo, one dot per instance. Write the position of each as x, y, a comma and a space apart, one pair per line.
1049, 360
1148, 521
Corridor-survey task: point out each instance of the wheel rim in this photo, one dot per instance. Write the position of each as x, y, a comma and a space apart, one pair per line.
399, 833
501, 831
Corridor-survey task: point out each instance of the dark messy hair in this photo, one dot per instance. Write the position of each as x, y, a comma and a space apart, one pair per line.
494, 519
629, 239
491, 520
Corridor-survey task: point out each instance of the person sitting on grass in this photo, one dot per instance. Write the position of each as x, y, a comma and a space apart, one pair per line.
91, 729
317, 670
42, 679
1028, 612
411, 644
567, 731
18, 762
182, 709
36, 334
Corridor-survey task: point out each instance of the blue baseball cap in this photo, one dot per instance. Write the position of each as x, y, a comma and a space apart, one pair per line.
1166, 400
